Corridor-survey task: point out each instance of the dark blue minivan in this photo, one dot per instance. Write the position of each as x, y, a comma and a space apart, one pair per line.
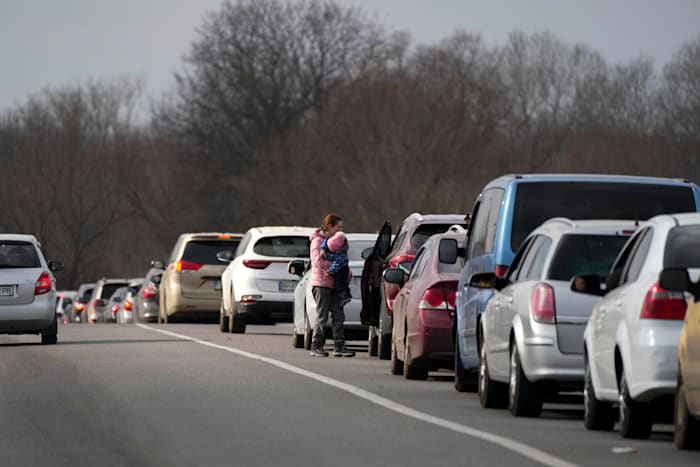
511, 206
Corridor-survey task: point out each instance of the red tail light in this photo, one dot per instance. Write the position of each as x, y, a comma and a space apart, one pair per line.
663, 304
500, 271
115, 308
256, 263
394, 262
79, 306
440, 296
149, 291
542, 304
43, 284
183, 265
128, 305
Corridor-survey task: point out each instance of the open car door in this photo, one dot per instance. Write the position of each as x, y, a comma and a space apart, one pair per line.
372, 275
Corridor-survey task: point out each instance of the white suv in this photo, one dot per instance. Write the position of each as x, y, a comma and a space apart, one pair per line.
256, 284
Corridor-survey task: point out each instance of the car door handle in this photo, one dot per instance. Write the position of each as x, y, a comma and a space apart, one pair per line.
509, 300
496, 303
618, 303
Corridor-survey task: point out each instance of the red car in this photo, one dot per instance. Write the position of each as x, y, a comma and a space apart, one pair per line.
424, 309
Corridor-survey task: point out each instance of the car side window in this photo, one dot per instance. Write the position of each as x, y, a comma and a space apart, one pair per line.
496, 196
639, 256
244, 244
514, 268
535, 264
483, 235
398, 240
418, 265
613, 278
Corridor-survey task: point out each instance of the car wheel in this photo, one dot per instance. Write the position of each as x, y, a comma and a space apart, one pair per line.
465, 381
686, 427
308, 333
223, 318
50, 335
410, 370
633, 416
396, 364
237, 324
524, 396
384, 340
372, 344
492, 394
597, 415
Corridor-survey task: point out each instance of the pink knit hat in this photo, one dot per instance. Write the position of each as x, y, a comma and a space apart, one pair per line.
337, 241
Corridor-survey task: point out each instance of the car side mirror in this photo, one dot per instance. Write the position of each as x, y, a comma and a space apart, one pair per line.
225, 256
676, 280
367, 252
55, 266
101, 303
157, 264
484, 280
157, 278
395, 276
296, 267
590, 284
448, 251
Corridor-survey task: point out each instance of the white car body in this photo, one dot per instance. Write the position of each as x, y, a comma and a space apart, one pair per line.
305, 304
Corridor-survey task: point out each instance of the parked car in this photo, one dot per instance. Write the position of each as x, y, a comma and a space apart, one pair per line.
377, 295
110, 313
533, 326
191, 283
256, 284
305, 305
631, 339
97, 305
82, 298
423, 313
125, 309
145, 300
27, 288
510, 207
64, 305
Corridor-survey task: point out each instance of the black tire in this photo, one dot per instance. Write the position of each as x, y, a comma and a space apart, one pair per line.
383, 343
223, 318
465, 381
162, 310
492, 394
633, 416
410, 369
50, 335
524, 396
396, 364
237, 324
297, 339
373, 346
686, 427
597, 415
308, 333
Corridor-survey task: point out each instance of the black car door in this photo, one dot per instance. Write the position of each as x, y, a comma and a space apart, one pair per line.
371, 277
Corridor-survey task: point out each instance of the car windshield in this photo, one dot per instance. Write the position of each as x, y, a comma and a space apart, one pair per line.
538, 201
283, 246
16, 254
579, 254
683, 247
204, 251
425, 231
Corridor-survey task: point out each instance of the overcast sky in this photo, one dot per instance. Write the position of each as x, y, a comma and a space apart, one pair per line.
57, 42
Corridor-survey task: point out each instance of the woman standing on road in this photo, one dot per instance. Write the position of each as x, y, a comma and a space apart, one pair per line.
327, 300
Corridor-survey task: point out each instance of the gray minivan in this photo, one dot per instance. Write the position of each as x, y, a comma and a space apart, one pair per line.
510, 207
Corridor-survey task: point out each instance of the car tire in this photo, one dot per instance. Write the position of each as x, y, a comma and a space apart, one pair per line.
372, 345
163, 310
597, 415
383, 343
634, 417
492, 394
465, 381
686, 428
297, 339
223, 318
50, 335
237, 324
308, 333
524, 396
410, 370
396, 364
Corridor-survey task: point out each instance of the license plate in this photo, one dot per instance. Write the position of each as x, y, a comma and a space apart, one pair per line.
287, 286
7, 290
217, 285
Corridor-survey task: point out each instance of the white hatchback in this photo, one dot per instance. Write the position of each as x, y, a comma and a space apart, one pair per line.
256, 285
27, 288
631, 339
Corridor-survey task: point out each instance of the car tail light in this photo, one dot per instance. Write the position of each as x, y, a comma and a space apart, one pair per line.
115, 308
500, 271
128, 305
149, 291
663, 304
256, 263
440, 296
43, 284
79, 306
183, 265
542, 304
394, 262
250, 299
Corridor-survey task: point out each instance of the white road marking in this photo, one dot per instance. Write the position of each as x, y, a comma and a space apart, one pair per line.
507, 443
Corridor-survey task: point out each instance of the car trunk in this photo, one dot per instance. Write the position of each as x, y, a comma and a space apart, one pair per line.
572, 312
275, 277
204, 283
17, 285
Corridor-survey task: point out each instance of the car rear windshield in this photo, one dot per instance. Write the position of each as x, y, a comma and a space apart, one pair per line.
109, 289
16, 254
425, 231
538, 201
204, 251
283, 246
585, 254
683, 247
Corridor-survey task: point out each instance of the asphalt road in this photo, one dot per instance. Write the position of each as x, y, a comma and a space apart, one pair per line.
186, 394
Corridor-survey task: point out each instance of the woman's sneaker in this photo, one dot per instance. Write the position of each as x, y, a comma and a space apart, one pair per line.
343, 352
318, 353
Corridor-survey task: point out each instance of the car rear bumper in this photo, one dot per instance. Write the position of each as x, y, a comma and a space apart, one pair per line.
24, 326
266, 309
31, 317
193, 306
543, 361
432, 344
653, 361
